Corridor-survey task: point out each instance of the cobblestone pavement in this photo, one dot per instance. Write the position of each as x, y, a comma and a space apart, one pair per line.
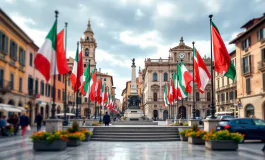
17, 148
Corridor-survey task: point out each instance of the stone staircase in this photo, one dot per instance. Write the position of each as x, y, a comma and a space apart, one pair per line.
133, 133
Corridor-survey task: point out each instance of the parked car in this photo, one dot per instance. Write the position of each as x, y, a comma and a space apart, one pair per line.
200, 120
252, 128
97, 117
224, 117
208, 117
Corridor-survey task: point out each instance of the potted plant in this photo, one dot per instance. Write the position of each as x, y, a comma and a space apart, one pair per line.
74, 139
196, 135
46, 141
88, 134
183, 133
222, 140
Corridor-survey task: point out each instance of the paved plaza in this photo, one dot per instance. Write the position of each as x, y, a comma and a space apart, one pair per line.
17, 148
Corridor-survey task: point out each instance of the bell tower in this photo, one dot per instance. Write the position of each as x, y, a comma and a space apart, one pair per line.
88, 46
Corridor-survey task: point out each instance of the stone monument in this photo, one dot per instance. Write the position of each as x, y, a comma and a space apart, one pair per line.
134, 113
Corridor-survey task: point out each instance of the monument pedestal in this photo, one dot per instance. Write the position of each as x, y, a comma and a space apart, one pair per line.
210, 124
53, 125
134, 114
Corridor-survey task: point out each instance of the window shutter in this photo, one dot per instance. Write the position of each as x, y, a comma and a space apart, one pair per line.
242, 45
24, 58
11, 50
249, 62
249, 41
1, 41
15, 52
242, 65
6, 46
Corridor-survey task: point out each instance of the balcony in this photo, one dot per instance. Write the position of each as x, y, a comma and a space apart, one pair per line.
5, 86
32, 94
261, 65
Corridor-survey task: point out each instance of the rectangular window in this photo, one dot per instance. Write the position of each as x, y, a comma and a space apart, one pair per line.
226, 96
30, 85
3, 43
1, 78
30, 59
263, 56
218, 85
246, 43
235, 94
11, 81
68, 81
63, 95
20, 84
246, 64
218, 97
231, 95
36, 86
21, 56
248, 85
46, 88
261, 34
59, 94
49, 90
85, 99
59, 77
42, 88
223, 82
13, 50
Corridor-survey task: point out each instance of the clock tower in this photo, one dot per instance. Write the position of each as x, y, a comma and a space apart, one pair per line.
88, 46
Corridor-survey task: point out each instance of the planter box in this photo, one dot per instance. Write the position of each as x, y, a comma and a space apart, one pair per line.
196, 140
57, 145
73, 142
87, 137
221, 145
183, 138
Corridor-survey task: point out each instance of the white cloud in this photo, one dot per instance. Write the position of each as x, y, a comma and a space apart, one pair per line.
148, 39
165, 9
38, 36
139, 14
10, 1
141, 2
212, 6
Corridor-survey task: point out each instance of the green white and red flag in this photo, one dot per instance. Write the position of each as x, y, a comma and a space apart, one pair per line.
85, 86
222, 60
51, 56
166, 103
99, 99
102, 94
92, 95
201, 73
76, 76
184, 78
177, 89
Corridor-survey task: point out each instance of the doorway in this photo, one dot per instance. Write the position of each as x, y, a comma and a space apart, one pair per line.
165, 115
155, 114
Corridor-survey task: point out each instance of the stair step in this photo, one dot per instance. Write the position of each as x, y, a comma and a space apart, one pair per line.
135, 136
134, 139
135, 133
138, 130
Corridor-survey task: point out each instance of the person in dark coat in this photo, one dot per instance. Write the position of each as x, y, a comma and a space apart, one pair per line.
106, 119
14, 121
24, 122
38, 120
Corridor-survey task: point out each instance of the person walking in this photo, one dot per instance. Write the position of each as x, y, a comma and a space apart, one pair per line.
38, 120
14, 121
24, 122
106, 119
2, 125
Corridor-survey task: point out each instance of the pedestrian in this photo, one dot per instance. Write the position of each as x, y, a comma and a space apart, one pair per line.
2, 124
38, 120
106, 119
24, 122
14, 121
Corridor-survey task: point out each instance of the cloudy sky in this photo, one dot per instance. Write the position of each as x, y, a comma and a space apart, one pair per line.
126, 29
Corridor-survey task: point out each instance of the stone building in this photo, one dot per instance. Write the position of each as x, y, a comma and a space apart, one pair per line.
158, 72
88, 46
226, 91
250, 67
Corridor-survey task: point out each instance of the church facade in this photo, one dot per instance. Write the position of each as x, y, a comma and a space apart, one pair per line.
157, 74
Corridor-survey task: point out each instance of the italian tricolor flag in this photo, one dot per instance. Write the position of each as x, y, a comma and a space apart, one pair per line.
184, 80
201, 74
51, 59
171, 92
93, 82
76, 76
222, 60
99, 92
178, 92
86, 83
165, 95
106, 97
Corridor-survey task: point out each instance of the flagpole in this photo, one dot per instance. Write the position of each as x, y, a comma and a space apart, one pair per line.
182, 107
213, 107
193, 91
65, 80
100, 107
88, 107
54, 76
95, 70
177, 92
76, 84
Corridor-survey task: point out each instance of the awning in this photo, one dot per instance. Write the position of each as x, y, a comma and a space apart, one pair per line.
10, 108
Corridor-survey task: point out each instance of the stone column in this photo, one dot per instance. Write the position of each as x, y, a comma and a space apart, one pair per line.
53, 125
210, 124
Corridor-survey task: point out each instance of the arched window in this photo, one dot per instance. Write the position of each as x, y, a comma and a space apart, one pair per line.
208, 96
86, 52
155, 76
165, 76
197, 96
250, 110
155, 96
87, 38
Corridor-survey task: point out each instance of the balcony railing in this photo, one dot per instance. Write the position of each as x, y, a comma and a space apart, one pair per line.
32, 93
5, 86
